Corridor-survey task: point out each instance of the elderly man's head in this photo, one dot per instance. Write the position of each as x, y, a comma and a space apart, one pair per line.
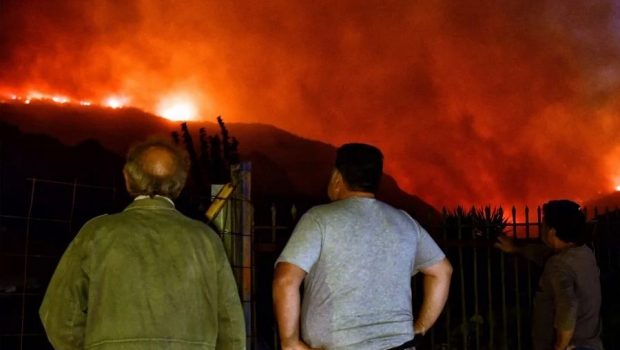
156, 167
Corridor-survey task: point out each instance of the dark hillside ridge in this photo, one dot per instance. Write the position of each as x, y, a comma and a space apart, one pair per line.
286, 168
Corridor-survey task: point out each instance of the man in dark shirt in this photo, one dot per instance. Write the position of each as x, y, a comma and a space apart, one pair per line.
567, 304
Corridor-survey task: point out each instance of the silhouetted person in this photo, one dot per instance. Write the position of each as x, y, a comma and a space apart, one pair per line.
148, 277
567, 304
356, 257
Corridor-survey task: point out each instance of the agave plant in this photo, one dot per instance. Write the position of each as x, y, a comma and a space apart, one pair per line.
484, 222
487, 222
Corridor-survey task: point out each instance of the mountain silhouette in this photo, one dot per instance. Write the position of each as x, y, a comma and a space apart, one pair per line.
605, 202
286, 168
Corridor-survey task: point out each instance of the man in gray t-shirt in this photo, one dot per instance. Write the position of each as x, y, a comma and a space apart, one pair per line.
356, 257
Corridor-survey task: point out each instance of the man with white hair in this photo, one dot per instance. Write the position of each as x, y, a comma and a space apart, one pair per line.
148, 277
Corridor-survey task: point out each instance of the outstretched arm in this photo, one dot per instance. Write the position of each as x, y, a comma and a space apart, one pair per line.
436, 287
286, 298
535, 252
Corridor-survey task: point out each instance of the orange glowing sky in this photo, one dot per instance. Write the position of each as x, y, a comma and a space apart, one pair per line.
508, 102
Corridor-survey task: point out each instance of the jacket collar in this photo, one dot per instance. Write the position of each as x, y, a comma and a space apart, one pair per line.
158, 202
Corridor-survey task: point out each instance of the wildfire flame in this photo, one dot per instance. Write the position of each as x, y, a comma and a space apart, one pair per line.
456, 108
178, 108
115, 102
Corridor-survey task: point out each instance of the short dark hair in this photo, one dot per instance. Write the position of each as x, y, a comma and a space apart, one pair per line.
361, 166
567, 219
141, 181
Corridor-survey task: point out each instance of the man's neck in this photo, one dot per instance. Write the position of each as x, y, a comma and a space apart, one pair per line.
562, 246
357, 194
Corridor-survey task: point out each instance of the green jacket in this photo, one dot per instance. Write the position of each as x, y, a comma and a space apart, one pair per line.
145, 278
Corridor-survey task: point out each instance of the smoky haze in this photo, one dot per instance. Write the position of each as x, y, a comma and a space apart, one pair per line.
508, 102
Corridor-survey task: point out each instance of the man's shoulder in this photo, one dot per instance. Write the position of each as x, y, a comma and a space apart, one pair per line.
124, 218
346, 204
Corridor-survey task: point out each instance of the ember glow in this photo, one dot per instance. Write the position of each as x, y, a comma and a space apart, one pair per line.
510, 102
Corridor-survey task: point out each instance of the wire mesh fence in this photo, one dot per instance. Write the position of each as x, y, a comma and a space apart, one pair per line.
34, 237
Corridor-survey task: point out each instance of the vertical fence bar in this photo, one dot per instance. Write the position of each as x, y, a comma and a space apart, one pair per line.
235, 223
25, 276
444, 215
597, 241
241, 175
433, 338
529, 265
273, 222
464, 324
491, 318
539, 220
517, 293
476, 306
608, 229
293, 214
502, 266
75, 183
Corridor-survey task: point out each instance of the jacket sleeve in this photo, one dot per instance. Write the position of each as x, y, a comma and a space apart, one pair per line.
64, 307
231, 324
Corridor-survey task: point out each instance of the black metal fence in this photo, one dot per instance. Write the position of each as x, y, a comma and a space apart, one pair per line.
491, 293
490, 298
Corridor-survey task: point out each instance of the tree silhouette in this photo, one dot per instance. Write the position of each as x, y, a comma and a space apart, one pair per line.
205, 158
216, 153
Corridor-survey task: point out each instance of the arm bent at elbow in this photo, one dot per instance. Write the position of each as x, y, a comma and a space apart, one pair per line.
286, 300
436, 288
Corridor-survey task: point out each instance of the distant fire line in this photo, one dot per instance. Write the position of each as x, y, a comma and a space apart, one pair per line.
176, 107
38, 97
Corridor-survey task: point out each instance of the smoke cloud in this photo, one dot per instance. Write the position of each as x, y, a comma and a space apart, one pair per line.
510, 102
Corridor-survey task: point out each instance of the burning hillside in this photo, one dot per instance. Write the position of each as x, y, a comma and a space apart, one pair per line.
510, 102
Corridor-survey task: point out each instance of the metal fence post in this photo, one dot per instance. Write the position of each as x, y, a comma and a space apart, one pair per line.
235, 220
25, 278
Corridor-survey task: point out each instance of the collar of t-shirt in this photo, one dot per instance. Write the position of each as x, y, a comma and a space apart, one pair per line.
142, 196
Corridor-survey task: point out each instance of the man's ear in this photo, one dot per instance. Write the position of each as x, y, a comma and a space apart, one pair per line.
552, 237
337, 177
127, 182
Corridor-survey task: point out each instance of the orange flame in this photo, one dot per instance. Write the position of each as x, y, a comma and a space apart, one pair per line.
179, 108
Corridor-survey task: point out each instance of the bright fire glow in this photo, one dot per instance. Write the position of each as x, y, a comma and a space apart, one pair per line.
178, 109
60, 99
115, 102
618, 188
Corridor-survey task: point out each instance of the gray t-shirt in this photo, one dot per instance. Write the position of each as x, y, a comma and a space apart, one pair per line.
569, 297
360, 254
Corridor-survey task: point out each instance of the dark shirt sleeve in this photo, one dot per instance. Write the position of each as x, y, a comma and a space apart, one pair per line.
64, 308
565, 301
